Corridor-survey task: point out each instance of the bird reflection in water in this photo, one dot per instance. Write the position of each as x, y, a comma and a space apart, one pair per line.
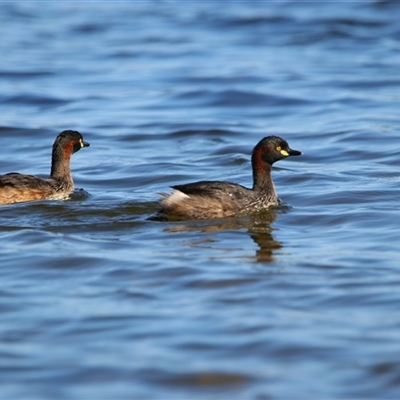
258, 226
261, 232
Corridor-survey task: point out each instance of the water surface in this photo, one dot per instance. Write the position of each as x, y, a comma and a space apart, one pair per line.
99, 301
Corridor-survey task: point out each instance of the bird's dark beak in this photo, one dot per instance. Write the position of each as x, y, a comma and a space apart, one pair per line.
84, 144
294, 152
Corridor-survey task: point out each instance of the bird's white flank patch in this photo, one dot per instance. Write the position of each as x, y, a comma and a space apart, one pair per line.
176, 197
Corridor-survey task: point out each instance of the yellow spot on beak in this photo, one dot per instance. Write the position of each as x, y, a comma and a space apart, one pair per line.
81, 142
284, 153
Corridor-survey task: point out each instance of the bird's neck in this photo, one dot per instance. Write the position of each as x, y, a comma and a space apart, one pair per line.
60, 165
262, 180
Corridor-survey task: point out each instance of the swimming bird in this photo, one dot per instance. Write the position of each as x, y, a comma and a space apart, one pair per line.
15, 187
217, 199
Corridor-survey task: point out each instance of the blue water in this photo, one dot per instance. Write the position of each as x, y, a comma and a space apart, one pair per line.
100, 301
